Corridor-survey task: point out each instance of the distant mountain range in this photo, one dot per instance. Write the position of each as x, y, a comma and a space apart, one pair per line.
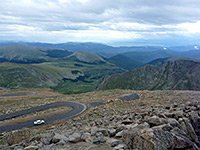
162, 61
102, 49
25, 66
177, 75
145, 57
19, 53
135, 59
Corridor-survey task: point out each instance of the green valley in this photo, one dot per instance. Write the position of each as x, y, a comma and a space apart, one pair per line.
75, 73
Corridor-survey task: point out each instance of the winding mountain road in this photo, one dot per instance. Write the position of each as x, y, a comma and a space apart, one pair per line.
78, 108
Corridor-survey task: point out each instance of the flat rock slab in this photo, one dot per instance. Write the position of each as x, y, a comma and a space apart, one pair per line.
94, 104
129, 97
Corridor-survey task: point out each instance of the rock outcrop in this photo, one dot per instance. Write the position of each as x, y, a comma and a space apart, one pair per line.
177, 127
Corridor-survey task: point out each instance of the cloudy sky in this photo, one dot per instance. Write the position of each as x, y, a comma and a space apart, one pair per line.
117, 22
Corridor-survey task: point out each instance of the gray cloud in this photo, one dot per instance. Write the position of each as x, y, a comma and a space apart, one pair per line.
130, 19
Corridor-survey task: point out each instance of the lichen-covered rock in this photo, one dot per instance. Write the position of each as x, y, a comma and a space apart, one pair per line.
129, 135
150, 139
181, 140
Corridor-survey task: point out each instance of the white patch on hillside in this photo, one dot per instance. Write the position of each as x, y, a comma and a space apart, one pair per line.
196, 47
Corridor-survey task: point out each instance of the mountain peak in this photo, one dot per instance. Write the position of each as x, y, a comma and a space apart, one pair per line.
177, 75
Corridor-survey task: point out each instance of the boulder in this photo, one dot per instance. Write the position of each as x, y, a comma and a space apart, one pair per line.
99, 138
112, 132
155, 121
15, 147
75, 138
31, 147
120, 147
129, 135
58, 137
149, 139
104, 131
18, 136
173, 122
169, 114
94, 130
61, 142
119, 134
46, 140
36, 138
127, 122
178, 114
115, 143
87, 137
195, 121
190, 130
164, 127
181, 140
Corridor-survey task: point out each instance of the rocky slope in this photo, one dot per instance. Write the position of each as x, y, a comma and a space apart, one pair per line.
25, 76
171, 124
178, 75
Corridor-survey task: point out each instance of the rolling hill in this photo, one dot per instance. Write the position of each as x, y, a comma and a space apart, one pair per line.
125, 62
34, 67
86, 57
19, 53
177, 75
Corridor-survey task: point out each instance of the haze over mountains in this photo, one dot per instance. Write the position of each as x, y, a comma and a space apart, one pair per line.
103, 49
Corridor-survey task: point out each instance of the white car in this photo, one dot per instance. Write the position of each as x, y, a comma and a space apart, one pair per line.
38, 122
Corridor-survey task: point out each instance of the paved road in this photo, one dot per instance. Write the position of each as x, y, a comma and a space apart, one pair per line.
78, 108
